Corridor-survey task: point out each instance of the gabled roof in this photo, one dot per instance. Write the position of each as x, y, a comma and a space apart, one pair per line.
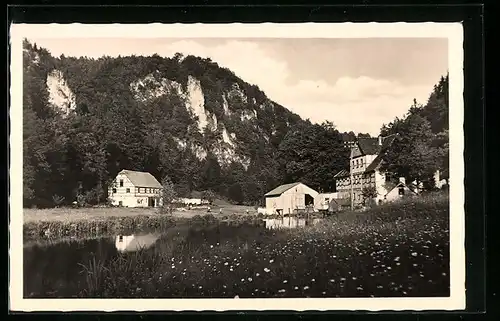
386, 143
281, 189
391, 186
141, 179
370, 146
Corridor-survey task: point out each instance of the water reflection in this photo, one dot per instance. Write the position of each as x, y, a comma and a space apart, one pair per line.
289, 222
55, 270
131, 243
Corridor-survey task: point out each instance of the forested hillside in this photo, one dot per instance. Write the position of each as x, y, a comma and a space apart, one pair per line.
421, 146
182, 117
190, 120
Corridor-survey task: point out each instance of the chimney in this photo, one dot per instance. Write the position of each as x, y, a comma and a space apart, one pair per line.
402, 180
380, 140
437, 178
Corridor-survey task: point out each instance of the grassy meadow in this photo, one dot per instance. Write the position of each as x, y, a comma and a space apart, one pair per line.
399, 249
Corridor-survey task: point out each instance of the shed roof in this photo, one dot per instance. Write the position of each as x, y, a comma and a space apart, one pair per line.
281, 189
342, 201
141, 179
342, 173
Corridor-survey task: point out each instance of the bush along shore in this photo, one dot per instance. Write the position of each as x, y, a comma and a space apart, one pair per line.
122, 225
397, 250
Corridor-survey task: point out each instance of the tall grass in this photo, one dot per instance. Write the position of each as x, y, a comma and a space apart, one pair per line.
399, 249
46, 230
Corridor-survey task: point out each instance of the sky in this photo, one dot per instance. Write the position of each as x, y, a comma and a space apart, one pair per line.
358, 84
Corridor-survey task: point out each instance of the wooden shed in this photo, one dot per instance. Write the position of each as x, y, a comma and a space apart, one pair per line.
289, 198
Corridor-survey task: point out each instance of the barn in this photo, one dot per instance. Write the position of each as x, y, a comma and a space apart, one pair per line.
289, 198
135, 189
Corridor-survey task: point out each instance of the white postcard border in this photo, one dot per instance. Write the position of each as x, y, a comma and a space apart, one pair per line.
452, 31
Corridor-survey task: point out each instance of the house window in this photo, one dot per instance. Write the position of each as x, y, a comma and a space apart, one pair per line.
121, 183
121, 237
114, 190
120, 203
401, 191
387, 178
128, 190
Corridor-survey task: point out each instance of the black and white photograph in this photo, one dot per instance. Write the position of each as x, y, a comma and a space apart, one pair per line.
284, 166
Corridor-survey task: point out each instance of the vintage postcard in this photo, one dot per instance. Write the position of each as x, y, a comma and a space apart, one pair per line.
237, 167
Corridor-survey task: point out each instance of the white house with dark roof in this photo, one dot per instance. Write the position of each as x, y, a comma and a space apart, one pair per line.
135, 189
288, 198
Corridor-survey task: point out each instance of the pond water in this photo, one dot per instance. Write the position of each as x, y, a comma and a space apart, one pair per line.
222, 260
56, 269
290, 222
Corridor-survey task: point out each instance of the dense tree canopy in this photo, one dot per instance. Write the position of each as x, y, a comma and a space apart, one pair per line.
75, 156
421, 146
313, 154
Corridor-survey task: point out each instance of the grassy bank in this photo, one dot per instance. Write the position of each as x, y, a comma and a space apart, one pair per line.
394, 250
51, 230
60, 223
92, 222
